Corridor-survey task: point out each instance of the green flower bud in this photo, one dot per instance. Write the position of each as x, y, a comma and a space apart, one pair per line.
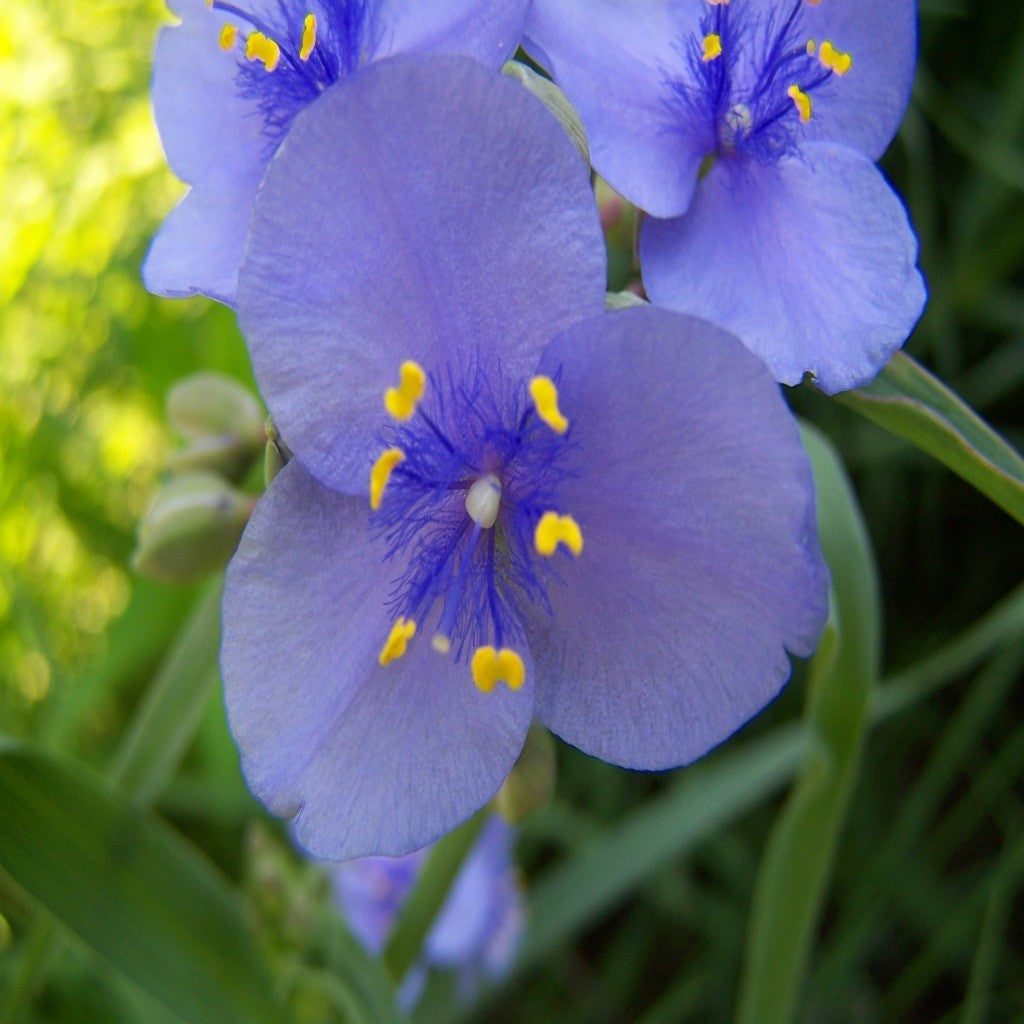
531, 782
554, 99
222, 422
192, 527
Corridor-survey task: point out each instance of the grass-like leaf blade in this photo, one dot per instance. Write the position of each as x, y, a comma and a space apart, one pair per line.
910, 402
797, 862
132, 889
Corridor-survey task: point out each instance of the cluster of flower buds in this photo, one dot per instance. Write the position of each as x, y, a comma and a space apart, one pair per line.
196, 518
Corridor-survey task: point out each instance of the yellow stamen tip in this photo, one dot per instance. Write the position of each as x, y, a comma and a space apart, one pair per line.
381, 473
401, 402
835, 60
489, 666
712, 47
552, 530
264, 49
228, 35
440, 643
308, 37
811, 47
545, 400
801, 101
398, 640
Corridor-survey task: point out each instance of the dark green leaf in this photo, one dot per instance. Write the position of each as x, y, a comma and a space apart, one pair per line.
131, 889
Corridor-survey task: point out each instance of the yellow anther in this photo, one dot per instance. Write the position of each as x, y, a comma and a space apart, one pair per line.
545, 400
801, 101
712, 47
381, 474
264, 49
398, 640
228, 35
308, 37
441, 643
552, 530
835, 60
811, 47
813, 3
401, 401
490, 665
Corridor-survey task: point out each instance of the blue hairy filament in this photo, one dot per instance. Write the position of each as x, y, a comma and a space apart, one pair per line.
469, 425
341, 43
741, 99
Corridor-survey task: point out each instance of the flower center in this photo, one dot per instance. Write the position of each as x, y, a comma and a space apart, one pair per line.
756, 75
286, 61
465, 496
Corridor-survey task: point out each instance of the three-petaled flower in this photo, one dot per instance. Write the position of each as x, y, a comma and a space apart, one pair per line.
504, 502
230, 78
748, 130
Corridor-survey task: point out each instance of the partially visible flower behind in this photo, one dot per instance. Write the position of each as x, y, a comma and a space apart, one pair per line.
229, 79
748, 130
603, 521
480, 924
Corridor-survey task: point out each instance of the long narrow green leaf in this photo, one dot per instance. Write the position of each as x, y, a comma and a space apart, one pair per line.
1006, 881
131, 889
794, 871
576, 892
173, 705
908, 401
1003, 624
153, 745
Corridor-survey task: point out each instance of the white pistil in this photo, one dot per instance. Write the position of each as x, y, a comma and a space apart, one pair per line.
483, 500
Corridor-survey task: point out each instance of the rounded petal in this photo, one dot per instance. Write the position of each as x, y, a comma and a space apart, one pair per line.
700, 565
199, 245
371, 892
203, 121
863, 109
616, 66
367, 759
456, 218
482, 919
810, 262
488, 30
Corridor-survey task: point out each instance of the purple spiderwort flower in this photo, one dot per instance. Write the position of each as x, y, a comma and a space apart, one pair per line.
748, 130
229, 79
480, 924
603, 520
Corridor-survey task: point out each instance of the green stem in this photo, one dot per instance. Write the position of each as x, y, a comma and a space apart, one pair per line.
428, 896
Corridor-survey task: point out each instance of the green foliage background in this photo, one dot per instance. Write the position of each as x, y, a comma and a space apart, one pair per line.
642, 887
